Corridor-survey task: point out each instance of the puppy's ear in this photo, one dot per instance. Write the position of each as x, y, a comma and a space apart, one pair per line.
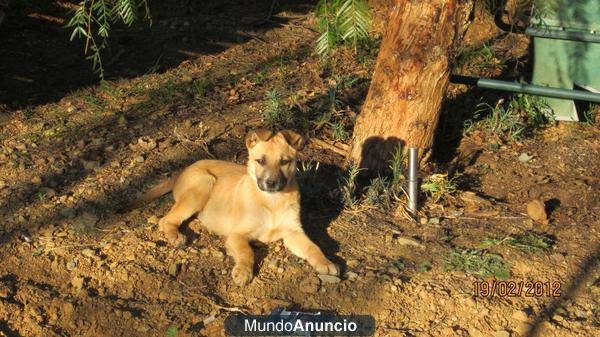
295, 140
255, 136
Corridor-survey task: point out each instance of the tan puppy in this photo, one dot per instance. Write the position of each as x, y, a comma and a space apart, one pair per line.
258, 202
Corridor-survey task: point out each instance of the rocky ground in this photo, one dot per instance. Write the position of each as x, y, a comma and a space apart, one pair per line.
71, 265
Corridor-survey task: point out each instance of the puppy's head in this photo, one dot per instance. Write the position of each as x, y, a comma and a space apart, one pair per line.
272, 158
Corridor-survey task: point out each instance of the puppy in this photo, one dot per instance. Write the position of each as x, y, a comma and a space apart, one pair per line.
260, 201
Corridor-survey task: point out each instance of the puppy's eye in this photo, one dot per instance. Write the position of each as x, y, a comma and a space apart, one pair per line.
261, 161
285, 161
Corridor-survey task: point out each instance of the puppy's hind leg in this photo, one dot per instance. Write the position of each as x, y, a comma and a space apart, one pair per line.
239, 248
187, 203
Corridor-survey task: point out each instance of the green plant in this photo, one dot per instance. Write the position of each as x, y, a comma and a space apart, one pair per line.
477, 59
378, 191
332, 103
424, 266
92, 21
397, 165
341, 21
260, 77
521, 116
171, 332
589, 114
274, 112
528, 242
322, 120
347, 185
478, 263
203, 87
439, 186
339, 132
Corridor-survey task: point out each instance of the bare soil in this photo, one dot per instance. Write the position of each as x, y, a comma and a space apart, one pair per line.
71, 265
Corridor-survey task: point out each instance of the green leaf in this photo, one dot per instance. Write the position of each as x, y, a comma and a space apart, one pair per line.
172, 332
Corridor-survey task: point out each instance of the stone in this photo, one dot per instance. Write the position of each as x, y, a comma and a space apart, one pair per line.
408, 242
77, 282
536, 210
329, 278
501, 333
520, 315
352, 263
88, 252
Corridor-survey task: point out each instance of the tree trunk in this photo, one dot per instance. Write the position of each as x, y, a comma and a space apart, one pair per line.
410, 79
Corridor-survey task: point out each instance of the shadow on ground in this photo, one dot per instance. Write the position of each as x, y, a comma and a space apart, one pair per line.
40, 64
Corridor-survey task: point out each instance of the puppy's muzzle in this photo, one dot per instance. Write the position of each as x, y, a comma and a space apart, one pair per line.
272, 184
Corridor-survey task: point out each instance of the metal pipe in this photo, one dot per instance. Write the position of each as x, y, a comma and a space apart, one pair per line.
559, 34
413, 179
530, 89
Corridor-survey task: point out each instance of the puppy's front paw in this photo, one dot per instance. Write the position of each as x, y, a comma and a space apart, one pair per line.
327, 267
242, 274
176, 239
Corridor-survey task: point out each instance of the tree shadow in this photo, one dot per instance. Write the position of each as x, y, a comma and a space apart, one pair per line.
43, 65
588, 268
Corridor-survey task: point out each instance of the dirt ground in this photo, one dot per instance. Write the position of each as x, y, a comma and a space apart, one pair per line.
72, 150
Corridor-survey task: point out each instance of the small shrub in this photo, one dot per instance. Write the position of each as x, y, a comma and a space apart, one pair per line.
529, 242
274, 113
347, 186
478, 263
522, 116
438, 186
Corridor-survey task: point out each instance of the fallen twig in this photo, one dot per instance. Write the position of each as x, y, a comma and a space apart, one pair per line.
339, 148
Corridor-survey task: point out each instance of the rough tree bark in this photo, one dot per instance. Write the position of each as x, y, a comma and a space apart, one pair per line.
410, 79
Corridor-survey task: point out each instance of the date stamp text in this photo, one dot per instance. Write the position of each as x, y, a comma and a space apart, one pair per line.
516, 288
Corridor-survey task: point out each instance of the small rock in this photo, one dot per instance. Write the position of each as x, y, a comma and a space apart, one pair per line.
85, 222
218, 254
208, 320
146, 143
153, 220
2, 184
4, 291
90, 164
536, 210
67, 309
434, 221
88, 252
501, 333
525, 158
352, 276
71, 265
408, 242
139, 159
174, 269
48, 192
523, 328
77, 282
423, 220
520, 316
393, 270
36, 180
352, 263
329, 278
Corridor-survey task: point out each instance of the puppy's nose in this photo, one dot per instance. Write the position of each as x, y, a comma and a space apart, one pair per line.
271, 183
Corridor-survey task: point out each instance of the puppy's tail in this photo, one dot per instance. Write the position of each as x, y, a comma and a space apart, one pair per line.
156, 192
